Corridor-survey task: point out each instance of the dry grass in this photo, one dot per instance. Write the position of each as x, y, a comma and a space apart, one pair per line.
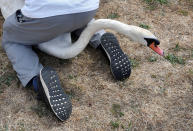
157, 96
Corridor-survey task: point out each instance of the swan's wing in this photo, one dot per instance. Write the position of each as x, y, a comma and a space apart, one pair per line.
8, 7
51, 47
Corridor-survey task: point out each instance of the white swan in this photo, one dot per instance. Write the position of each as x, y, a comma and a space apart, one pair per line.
62, 47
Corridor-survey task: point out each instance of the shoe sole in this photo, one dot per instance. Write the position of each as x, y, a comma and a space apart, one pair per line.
119, 61
57, 99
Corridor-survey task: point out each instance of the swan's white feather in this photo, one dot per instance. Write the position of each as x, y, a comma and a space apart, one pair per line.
60, 47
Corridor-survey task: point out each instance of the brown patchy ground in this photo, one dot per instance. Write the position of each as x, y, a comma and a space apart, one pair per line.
157, 96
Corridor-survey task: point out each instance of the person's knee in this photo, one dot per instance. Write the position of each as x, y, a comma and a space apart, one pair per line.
6, 25
9, 23
3, 43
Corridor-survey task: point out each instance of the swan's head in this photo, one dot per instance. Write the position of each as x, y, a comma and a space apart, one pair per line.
146, 38
153, 44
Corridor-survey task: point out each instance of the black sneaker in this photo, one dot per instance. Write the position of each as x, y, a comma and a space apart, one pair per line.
119, 61
50, 89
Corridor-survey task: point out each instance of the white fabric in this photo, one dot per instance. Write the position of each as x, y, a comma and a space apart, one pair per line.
9, 7
47, 8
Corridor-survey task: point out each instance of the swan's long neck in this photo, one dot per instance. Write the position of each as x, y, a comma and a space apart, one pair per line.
133, 32
81, 43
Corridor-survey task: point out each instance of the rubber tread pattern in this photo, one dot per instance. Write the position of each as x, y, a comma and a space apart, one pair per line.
59, 102
119, 61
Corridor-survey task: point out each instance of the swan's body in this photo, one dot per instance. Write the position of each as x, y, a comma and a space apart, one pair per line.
62, 47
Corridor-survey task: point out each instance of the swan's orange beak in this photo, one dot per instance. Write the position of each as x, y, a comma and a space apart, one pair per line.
156, 49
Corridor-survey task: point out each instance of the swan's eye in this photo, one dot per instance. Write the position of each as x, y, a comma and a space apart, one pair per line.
152, 40
153, 44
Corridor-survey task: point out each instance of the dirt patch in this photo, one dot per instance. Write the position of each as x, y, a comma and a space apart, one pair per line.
157, 96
